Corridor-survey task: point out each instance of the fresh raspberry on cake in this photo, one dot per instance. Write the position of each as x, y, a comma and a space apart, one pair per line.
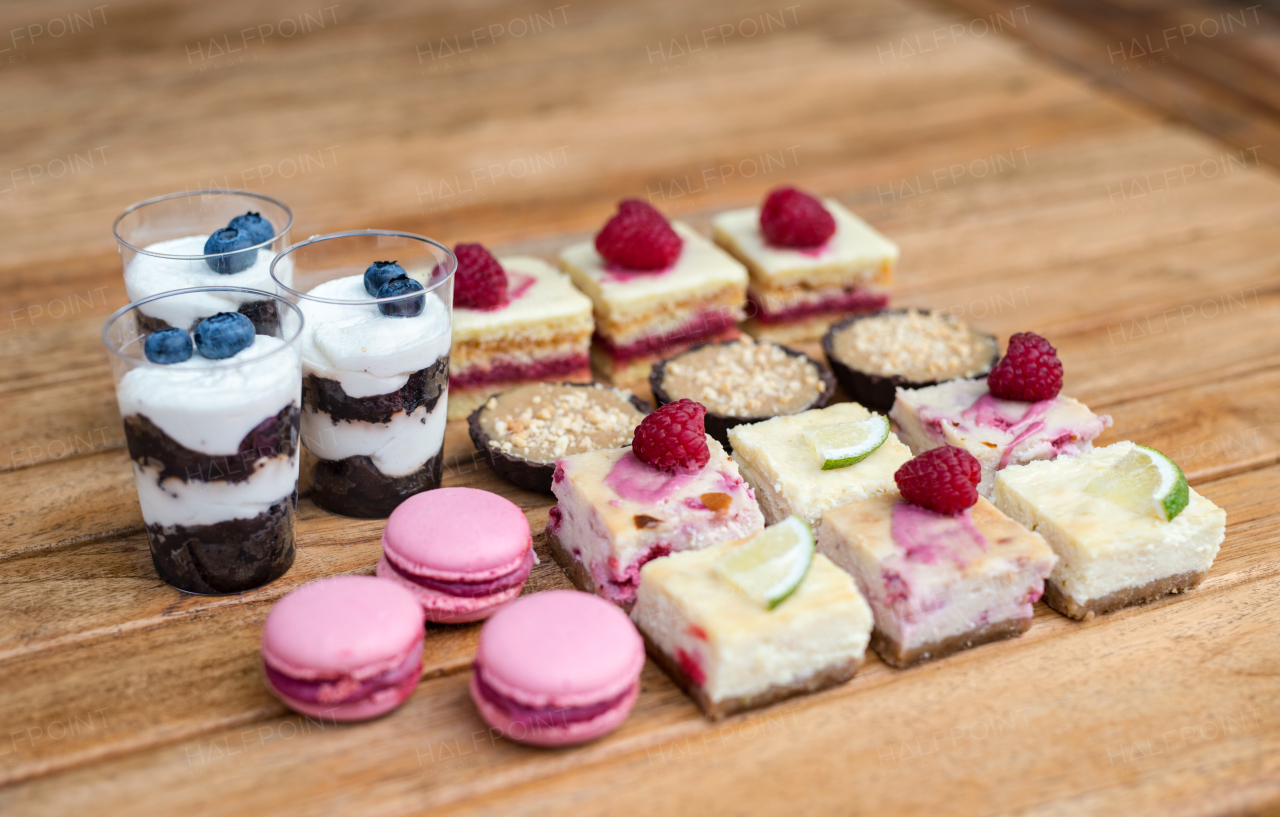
1030, 370
480, 282
639, 237
793, 218
673, 437
943, 479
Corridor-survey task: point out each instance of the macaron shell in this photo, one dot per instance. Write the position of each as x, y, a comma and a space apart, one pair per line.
457, 534
343, 625
441, 608
555, 735
380, 703
560, 648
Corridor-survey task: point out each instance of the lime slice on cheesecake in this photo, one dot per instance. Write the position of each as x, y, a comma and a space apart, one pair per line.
1144, 481
842, 445
770, 565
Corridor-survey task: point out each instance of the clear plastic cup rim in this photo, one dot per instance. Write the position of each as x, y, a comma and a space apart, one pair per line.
450, 259
115, 226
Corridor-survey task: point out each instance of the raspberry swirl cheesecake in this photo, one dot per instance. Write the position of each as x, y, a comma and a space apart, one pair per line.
515, 320
812, 262
673, 489
657, 287
1013, 416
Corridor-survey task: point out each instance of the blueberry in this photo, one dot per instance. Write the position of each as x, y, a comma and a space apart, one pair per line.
227, 240
223, 335
172, 345
407, 308
378, 273
258, 228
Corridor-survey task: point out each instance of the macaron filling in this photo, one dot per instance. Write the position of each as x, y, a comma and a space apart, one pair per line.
347, 689
466, 589
545, 716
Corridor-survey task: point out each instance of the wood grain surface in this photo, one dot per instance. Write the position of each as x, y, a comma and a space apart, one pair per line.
1023, 196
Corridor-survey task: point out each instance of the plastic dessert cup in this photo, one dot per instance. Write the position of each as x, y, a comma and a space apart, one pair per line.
461, 552
214, 445
557, 668
375, 370
346, 648
162, 243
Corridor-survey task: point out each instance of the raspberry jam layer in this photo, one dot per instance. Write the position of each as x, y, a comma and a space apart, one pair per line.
544, 716
505, 371
471, 590
703, 325
346, 690
856, 300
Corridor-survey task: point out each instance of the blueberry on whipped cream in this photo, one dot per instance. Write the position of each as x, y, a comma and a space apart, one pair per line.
254, 225
223, 335
405, 308
227, 240
379, 273
170, 345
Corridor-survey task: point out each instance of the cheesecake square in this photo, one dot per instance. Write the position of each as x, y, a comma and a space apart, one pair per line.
543, 332
937, 584
614, 514
644, 316
730, 653
1109, 557
796, 294
786, 473
998, 433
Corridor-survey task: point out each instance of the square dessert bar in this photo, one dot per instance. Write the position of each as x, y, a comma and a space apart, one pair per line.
796, 294
1109, 556
543, 332
787, 474
731, 653
998, 433
615, 513
642, 317
937, 584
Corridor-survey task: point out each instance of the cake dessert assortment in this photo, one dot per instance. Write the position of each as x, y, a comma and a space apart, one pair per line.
211, 422
345, 648
1013, 416
748, 623
805, 464
203, 239
1125, 525
673, 489
742, 381
811, 262
556, 669
523, 431
657, 287
461, 552
875, 355
942, 568
515, 320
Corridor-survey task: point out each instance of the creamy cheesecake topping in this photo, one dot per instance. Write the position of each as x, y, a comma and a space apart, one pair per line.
920, 346
744, 378
546, 421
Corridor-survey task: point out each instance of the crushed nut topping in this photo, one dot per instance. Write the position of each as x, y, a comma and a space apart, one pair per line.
745, 378
921, 346
568, 420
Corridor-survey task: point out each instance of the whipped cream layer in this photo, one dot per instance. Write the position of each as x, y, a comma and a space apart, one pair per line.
148, 275
175, 502
397, 448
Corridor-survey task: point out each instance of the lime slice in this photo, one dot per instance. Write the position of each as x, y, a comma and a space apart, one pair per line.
843, 445
770, 565
1144, 481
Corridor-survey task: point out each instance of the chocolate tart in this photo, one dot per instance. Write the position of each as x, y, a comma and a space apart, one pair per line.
755, 389
515, 430
874, 355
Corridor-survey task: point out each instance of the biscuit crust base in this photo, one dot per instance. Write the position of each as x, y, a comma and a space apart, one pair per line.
1058, 599
895, 655
824, 678
577, 570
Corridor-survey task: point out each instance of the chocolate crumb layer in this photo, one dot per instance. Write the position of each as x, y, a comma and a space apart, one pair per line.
355, 487
424, 388
265, 316
1059, 600
895, 655
226, 557
150, 446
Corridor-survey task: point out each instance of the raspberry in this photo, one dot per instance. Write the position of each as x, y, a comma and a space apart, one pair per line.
1030, 370
941, 479
673, 437
639, 237
791, 218
480, 282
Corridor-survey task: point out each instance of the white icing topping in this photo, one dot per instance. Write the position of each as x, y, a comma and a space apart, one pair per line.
549, 297
206, 503
397, 448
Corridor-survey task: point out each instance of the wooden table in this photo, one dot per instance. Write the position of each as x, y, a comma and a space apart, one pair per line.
1022, 197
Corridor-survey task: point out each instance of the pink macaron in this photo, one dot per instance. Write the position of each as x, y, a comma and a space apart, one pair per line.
557, 668
462, 552
346, 648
